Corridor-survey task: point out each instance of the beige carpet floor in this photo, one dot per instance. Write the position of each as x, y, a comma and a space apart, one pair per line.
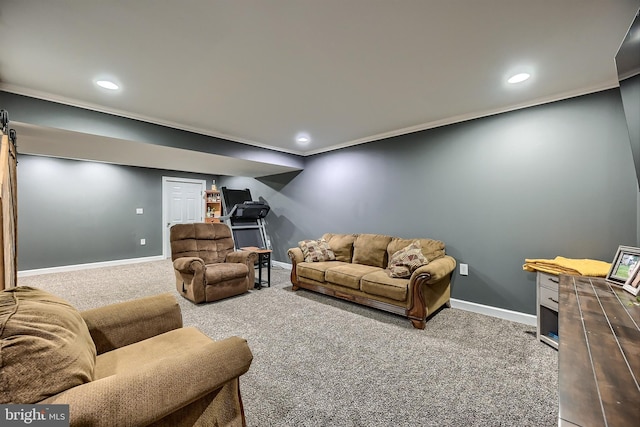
323, 362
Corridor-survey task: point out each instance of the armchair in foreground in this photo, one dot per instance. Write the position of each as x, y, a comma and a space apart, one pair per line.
126, 364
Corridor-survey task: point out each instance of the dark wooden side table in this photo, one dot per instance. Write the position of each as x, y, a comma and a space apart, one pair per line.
264, 260
599, 354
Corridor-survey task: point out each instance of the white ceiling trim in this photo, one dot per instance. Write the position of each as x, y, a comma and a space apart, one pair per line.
466, 117
19, 90
404, 131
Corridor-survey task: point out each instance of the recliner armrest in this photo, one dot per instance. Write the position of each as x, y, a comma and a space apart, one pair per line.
244, 257
117, 325
188, 265
154, 390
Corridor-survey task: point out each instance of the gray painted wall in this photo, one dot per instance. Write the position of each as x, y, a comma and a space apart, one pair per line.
553, 180
630, 92
556, 179
76, 212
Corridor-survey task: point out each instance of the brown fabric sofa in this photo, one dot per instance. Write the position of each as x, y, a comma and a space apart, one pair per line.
206, 265
126, 364
359, 274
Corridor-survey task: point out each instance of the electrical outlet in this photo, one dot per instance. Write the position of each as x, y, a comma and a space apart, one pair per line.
143, 242
464, 269
139, 211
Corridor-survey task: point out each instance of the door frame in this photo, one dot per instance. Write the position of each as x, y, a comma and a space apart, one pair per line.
165, 208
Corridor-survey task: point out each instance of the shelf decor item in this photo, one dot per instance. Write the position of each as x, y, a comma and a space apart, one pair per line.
624, 263
632, 285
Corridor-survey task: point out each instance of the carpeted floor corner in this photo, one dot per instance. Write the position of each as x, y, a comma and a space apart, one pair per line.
319, 361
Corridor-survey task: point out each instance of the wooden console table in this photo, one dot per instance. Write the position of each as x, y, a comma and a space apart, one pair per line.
599, 354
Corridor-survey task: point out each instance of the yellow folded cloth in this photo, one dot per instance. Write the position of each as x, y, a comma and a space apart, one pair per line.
561, 265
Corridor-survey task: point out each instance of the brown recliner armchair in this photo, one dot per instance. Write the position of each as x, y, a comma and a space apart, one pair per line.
206, 264
126, 364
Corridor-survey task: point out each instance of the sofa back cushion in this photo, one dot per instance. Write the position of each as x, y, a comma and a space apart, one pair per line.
45, 346
341, 245
371, 249
431, 249
209, 241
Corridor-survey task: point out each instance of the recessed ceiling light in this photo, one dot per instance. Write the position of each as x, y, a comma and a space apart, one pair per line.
518, 78
303, 139
107, 84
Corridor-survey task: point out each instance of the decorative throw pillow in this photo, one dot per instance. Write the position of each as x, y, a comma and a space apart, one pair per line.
316, 250
407, 260
45, 346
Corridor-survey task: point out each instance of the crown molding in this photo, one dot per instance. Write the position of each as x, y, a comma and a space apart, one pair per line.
384, 135
46, 96
466, 117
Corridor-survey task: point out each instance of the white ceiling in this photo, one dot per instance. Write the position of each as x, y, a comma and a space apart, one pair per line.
342, 71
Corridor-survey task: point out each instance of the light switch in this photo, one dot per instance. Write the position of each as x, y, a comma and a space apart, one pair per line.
139, 211
143, 242
464, 269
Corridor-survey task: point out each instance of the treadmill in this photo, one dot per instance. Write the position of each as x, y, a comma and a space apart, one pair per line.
245, 218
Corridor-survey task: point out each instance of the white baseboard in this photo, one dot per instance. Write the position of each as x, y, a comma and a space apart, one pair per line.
65, 268
280, 264
514, 316
501, 313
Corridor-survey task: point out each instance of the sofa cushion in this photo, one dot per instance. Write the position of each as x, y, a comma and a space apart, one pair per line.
406, 260
371, 249
316, 250
431, 249
45, 346
348, 275
315, 270
379, 283
341, 245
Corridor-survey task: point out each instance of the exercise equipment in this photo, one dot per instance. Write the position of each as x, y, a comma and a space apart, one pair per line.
245, 218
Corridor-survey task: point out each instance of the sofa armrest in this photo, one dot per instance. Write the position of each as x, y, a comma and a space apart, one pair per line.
188, 265
154, 390
295, 254
436, 269
125, 323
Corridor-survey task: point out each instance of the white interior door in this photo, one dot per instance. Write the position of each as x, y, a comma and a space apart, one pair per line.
182, 201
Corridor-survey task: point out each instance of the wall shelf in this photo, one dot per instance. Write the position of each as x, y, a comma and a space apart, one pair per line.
212, 205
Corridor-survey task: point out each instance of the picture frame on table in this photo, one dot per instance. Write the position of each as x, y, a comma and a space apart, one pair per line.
624, 266
632, 285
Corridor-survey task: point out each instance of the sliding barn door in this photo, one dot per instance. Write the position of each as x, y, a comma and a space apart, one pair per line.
8, 213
